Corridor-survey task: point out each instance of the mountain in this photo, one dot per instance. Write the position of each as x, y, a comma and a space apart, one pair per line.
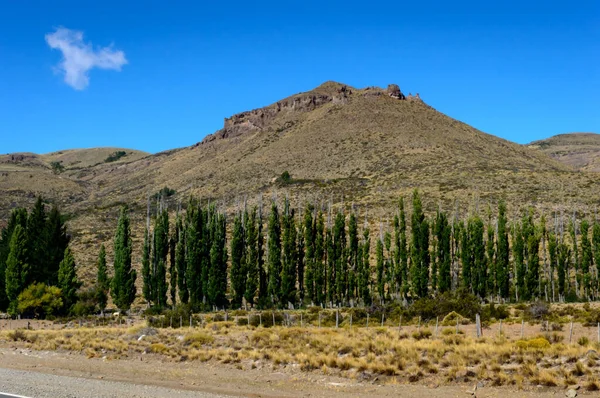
352, 147
579, 150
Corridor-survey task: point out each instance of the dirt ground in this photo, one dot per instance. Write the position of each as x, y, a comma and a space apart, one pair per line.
228, 380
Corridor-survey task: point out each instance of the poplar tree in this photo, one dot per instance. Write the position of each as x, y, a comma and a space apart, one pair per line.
195, 240
403, 250
490, 256
420, 257
274, 255
36, 245
15, 263
289, 257
586, 258
596, 249
353, 255
331, 263
180, 263
379, 268
480, 277
102, 280
553, 254
575, 250
173, 261
123, 282
518, 256
563, 257
443, 259
17, 217
252, 263
300, 260
67, 280
466, 257
341, 262
533, 266
147, 290
57, 240
502, 253
263, 280
238, 271
309, 256
365, 275
217, 275
319, 265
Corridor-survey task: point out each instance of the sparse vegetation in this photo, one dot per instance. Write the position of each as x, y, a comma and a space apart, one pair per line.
113, 157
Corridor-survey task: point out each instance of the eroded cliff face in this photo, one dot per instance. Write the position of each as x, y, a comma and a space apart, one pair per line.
260, 119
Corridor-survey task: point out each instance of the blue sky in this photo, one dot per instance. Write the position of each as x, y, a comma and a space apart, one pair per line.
522, 70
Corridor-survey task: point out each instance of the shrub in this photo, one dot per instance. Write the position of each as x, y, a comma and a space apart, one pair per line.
537, 310
583, 341
39, 300
461, 302
421, 334
538, 343
86, 304
57, 167
113, 157
198, 338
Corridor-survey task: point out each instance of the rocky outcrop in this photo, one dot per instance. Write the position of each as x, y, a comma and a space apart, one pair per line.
259, 119
262, 118
393, 90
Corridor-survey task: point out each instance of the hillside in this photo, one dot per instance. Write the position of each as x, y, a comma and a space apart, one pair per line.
579, 150
361, 147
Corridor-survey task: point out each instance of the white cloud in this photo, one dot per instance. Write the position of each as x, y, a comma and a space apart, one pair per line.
79, 57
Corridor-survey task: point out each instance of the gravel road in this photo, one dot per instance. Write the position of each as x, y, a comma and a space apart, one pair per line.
41, 385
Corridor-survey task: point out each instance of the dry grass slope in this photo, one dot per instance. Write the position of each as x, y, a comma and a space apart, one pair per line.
579, 150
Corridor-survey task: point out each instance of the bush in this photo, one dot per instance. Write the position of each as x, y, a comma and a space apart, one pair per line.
198, 339
538, 343
39, 300
538, 310
421, 334
462, 302
165, 192
496, 312
86, 304
57, 167
583, 341
113, 157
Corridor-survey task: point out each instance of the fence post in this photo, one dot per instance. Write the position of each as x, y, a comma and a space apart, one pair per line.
301, 321
382, 318
273, 318
350, 320
400, 324
477, 325
500, 330
522, 328
260, 319
367, 320
337, 318
191, 325
437, 319
319, 320
571, 333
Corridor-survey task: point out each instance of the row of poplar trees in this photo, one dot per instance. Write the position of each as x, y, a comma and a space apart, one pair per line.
285, 260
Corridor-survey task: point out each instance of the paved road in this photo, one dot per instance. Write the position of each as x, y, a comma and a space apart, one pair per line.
41, 385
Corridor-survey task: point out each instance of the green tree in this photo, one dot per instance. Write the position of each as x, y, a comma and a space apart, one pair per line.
443, 255
147, 289
533, 267
420, 258
36, 244
502, 253
17, 217
596, 248
252, 263
102, 280
379, 268
123, 282
364, 282
403, 250
553, 254
274, 255
586, 258
195, 240
341, 262
319, 265
238, 270
353, 256
67, 280
15, 264
57, 241
263, 280
289, 256
309, 255
563, 257
181, 265
217, 275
